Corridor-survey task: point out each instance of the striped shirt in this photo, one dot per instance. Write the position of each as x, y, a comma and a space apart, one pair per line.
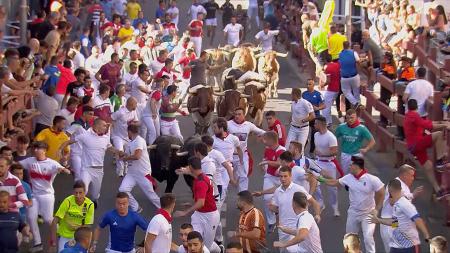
247, 222
17, 196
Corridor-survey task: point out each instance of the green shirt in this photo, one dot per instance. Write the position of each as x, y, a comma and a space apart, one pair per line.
319, 40
72, 216
116, 102
352, 139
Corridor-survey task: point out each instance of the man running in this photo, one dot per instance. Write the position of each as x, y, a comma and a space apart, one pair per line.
233, 32
302, 113
122, 224
242, 129
196, 32
211, 21
169, 108
266, 37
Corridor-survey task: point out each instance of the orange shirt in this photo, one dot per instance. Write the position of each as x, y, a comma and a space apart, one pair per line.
407, 74
247, 222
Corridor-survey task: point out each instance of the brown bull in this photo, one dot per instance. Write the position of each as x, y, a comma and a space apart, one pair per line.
201, 106
256, 101
269, 67
244, 58
228, 101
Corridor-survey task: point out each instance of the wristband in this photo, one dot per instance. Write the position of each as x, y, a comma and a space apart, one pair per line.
321, 179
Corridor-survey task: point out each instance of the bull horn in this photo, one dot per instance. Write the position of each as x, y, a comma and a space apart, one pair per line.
281, 54
259, 55
184, 153
219, 94
175, 146
256, 49
195, 109
245, 96
209, 51
153, 146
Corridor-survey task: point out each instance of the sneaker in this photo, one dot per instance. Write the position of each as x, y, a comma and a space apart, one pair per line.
336, 212
40, 220
140, 209
441, 164
37, 248
222, 248
442, 194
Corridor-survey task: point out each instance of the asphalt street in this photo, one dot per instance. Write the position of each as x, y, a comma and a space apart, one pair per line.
332, 229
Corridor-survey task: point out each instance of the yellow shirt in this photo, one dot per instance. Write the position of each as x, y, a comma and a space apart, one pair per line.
54, 141
125, 34
133, 10
335, 45
72, 215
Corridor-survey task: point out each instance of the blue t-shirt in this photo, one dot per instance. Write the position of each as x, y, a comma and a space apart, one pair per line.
10, 224
314, 97
347, 61
53, 76
160, 13
139, 21
122, 229
73, 249
27, 188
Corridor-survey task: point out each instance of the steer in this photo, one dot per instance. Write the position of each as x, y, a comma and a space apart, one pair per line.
187, 151
201, 107
220, 59
164, 159
269, 67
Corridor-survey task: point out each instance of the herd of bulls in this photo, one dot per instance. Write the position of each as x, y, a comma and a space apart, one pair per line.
244, 79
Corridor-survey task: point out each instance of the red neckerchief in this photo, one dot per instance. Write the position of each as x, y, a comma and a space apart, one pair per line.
97, 133
357, 123
165, 214
291, 165
71, 110
360, 174
238, 122
185, 45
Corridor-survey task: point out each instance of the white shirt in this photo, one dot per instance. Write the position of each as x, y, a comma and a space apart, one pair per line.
140, 96
160, 227
69, 116
42, 174
99, 103
420, 90
311, 244
323, 144
386, 211
218, 160
93, 147
181, 249
300, 110
243, 130
174, 11
78, 60
253, 3
194, 10
140, 167
227, 146
156, 66
74, 130
122, 118
266, 39
233, 33
362, 192
208, 167
48, 106
147, 110
405, 235
128, 79
93, 64
299, 177
283, 200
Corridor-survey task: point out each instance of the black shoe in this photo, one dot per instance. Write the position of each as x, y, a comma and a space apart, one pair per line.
442, 194
95, 204
441, 164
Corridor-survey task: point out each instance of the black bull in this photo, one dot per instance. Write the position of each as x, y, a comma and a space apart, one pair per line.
168, 154
201, 106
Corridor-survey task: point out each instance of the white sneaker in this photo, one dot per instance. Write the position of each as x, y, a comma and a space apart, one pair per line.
336, 212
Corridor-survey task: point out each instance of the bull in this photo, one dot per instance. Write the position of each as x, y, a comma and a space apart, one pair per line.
167, 154
230, 99
244, 57
201, 107
164, 160
269, 68
256, 101
219, 58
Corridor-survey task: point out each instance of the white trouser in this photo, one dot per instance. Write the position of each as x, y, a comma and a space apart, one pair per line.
241, 171
128, 183
61, 242
386, 234
206, 224
43, 205
283, 237
95, 176
330, 170
197, 41
75, 165
171, 128
299, 134
350, 88
329, 97
269, 182
152, 128
252, 12
357, 221
119, 144
115, 251
346, 161
183, 86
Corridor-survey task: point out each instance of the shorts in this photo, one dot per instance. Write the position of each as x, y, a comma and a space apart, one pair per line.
419, 149
211, 22
413, 249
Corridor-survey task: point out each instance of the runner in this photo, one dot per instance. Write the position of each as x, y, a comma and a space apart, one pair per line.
211, 21
169, 123
266, 37
159, 232
242, 129
185, 229
302, 113
196, 32
233, 32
